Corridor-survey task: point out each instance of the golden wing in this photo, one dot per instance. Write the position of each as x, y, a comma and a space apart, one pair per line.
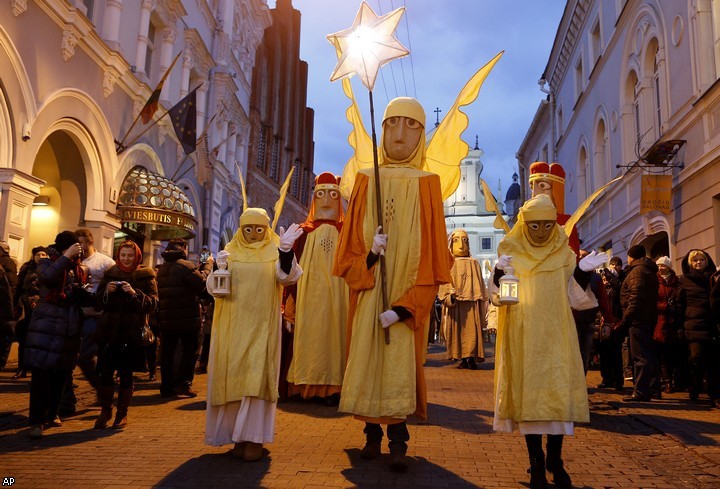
281, 199
359, 141
580, 211
491, 206
446, 148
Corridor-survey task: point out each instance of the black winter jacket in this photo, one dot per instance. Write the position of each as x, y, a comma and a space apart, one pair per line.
124, 316
53, 339
179, 287
699, 322
639, 295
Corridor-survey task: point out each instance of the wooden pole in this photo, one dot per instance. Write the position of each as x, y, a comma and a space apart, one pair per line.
379, 205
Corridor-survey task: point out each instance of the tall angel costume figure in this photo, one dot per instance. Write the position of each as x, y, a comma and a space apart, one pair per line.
318, 304
464, 305
243, 368
385, 383
539, 378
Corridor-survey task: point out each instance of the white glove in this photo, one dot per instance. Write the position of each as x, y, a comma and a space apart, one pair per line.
379, 244
388, 318
287, 238
592, 261
503, 262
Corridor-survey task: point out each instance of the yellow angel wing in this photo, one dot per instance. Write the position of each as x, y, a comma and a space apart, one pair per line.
242, 187
584, 206
491, 206
359, 141
446, 148
281, 200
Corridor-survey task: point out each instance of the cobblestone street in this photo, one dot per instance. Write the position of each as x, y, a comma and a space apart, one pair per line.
667, 443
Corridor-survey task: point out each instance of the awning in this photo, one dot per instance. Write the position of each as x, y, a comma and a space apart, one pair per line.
149, 198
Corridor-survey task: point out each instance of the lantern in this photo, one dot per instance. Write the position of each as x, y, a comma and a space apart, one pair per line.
218, 282
509, 288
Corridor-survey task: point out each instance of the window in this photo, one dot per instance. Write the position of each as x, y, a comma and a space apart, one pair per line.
584, 180
150, 48
485, 244
601, 152
559, 122
294, 181
90, 7
544, 156
656, 98
596, 42
275, 159
262, 149
716, 35
579, 81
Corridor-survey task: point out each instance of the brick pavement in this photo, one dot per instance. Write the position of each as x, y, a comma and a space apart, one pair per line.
663, 444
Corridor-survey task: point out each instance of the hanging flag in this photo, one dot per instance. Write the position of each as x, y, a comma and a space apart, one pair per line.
151, 106
184, 120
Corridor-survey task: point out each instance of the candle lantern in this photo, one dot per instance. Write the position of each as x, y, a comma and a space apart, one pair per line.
509, 288
218, 282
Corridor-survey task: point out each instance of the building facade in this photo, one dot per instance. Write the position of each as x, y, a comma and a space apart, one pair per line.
75, 74
465, 209
281, 135
622, 77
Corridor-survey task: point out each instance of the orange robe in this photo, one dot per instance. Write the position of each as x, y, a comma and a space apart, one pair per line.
376, 389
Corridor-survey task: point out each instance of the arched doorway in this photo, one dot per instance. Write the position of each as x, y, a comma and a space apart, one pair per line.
62, 200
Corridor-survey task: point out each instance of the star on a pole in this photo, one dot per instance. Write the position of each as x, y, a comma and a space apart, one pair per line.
367, 45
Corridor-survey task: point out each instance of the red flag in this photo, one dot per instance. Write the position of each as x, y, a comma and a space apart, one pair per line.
151, 106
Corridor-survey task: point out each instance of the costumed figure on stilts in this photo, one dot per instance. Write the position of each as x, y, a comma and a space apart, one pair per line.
464, 305
317, 305
244, 364
539, 378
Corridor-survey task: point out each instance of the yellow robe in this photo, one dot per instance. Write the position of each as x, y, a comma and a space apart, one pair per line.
319, 340
246, 329
539, 375
385, 383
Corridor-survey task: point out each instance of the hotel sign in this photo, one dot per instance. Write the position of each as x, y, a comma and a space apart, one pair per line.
159, 217
656, 193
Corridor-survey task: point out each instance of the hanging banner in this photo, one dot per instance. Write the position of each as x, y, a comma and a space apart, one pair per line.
655, 193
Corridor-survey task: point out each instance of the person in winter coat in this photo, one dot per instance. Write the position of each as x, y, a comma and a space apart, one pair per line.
26, 298
180, 284
126, 295
666, 330
700, 325
8, 284
638, 297
610, 345
53, 339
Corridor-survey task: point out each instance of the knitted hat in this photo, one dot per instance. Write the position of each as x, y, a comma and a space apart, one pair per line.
637, 251
616, 260
65, 240
664, 260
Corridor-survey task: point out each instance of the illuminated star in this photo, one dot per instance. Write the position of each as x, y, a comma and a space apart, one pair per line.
367, 45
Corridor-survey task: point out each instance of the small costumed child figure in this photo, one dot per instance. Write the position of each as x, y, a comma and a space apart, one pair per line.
464, 305
244, 364
539, 378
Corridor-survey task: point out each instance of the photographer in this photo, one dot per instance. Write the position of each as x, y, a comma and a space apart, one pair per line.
127, 296
53, 339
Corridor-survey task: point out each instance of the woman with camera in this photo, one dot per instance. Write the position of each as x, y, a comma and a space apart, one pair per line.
127, 295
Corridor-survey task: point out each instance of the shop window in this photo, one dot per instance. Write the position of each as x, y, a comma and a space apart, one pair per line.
485, 244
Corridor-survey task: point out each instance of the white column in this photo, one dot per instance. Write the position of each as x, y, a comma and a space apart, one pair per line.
145, 10
201, 108
231, 146
228, 16
187, 64
166, 57
111, 23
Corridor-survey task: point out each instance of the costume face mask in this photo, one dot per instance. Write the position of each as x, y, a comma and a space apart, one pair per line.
540, 231
327, 204
543, 186
460, 245
254, 233
401, 136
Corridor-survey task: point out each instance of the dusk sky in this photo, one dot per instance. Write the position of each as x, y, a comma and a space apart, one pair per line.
449, 41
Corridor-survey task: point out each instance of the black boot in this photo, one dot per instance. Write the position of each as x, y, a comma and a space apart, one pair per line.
373, 439
124, 396
105, 396
538, 480
399, 436
554, 461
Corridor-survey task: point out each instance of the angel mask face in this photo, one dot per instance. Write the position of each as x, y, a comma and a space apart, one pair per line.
254, 233
327, 203
460, 245
401, 136
540, 231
